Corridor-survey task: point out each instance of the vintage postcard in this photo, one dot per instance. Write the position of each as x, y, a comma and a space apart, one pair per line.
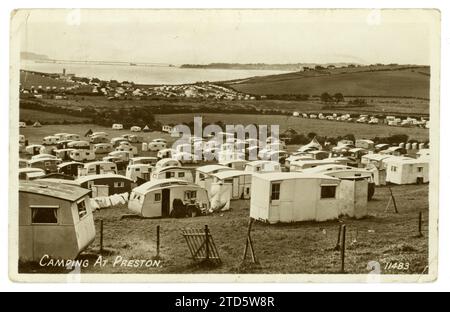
224, 145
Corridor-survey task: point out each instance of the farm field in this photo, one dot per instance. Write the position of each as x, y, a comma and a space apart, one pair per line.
301, 125
305, 247
398, 82
375, 105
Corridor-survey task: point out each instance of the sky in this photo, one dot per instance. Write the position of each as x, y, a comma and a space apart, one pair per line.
231, 36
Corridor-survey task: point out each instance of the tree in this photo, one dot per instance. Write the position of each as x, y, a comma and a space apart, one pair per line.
325, 97
339, 97
311, 135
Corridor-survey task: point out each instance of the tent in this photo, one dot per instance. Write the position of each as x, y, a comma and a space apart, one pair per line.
220, 196
146, 129
313, 145
37, 124
88, 133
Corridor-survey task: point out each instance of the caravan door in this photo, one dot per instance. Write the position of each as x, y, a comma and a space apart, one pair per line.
165, 203
235, 187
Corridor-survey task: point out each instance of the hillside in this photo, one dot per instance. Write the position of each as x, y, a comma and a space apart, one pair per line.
386, 81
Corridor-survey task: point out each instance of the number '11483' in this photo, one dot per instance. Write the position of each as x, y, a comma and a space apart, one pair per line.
400, 266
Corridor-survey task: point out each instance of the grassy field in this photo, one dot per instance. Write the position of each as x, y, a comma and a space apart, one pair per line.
392, 82
29, 79
305, 247
301, 125
47, 117
305, 126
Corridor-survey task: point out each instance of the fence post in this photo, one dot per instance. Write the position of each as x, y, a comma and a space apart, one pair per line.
420, 224
157, 240
344, 230
338, 244
207, 242
393, 199
101, 235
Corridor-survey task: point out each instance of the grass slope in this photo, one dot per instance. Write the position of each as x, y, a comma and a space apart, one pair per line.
366, 81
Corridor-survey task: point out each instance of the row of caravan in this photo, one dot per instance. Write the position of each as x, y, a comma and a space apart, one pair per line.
60, 209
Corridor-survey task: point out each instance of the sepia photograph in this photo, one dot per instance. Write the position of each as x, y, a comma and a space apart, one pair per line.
237, 145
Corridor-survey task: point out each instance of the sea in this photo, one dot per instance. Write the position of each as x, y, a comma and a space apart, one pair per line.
139, 74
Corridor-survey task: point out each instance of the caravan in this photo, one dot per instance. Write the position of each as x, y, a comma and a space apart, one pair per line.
98, 139
63, 154
293, 197
105, 184
167, 162
117, 127
157, 147
176, 172
82, 155
59, 231
127, 148
300, 165
240, 181
34, 149
204, 175
102, 148
50, 140
259, 166
98, 167
405, 170
70, 168
139, 172
143, 160
166, 153
47, 164
235, 164
79, 145
31, 173
160, 198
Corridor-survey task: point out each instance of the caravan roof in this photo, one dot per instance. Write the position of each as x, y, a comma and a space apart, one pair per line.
163, 169
357, 149
281, 176
211, 168
64, 164
87, 178
377, 157
156, 184
38, 160
53, 189
330, 169
231, 174
406, 160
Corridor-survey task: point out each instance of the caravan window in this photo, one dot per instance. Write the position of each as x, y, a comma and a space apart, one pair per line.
44, 214
190, 195
157, 197
82, 211
119, 184
393, 168
419, 169
276, 191
181, 174
328, 191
